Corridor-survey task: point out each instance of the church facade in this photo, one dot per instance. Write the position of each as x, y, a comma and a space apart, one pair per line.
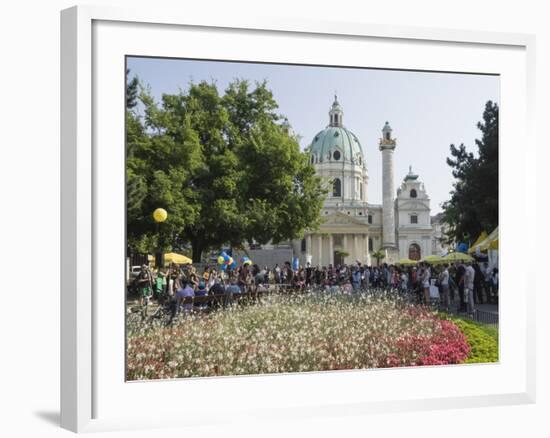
353, 228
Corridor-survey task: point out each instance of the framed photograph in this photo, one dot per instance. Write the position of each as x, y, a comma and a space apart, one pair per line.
257, 209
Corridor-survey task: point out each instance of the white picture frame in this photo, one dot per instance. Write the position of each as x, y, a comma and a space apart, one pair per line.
87, 403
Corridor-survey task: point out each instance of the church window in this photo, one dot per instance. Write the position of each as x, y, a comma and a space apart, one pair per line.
312, 159
414, 219
303, 245
336, 187
413, 193
335, 119
369, 218
371, 244
360, 190
336, 155
360, 213
349, 212
387, 135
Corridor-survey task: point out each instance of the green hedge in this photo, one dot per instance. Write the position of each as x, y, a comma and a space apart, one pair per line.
483, 339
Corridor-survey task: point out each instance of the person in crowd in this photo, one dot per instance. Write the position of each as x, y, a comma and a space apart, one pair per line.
365, 276
288, 273
404, 282
459, 280
356, 278
243, 278
309, 275
478, 284
206, 274
487, 282
182, 295
217, 288
160, 285
193, 278
144, 283
347, 287
277, 272
444, 288
231, 290
469, 277
425, 283
494, 282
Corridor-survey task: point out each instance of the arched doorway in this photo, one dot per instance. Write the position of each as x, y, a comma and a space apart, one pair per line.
414, 252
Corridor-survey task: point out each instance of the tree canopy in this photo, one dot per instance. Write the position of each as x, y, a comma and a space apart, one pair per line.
473, 206
222, 165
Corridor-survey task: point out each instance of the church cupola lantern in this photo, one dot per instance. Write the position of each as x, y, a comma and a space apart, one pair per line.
336, 114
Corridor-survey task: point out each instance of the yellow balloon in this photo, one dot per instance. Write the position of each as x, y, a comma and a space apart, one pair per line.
220, 260
160, 215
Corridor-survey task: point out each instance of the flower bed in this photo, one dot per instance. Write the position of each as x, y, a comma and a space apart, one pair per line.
296, 333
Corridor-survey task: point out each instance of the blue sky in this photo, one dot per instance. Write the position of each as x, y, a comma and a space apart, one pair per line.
427, 111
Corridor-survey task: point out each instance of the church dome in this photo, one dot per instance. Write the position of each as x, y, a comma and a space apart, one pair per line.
335, 143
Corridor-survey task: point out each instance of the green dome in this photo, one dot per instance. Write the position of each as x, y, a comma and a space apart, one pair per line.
336, 139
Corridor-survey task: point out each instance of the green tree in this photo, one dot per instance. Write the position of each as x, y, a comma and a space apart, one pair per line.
378, 255
223, 167
473, 206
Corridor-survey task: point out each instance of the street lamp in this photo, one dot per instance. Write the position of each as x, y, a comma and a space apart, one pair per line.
159, 215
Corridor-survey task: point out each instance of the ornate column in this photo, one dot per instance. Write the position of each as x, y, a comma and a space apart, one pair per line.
330, 249
308, 249
320, 249
387, 146
357, 255
366, 247
345, 245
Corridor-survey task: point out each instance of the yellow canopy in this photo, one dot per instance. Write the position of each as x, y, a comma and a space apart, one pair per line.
490, 242
406, 262
433, 259
479, 240
172, 257
457, 256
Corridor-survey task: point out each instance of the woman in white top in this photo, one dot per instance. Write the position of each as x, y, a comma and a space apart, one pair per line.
425, 280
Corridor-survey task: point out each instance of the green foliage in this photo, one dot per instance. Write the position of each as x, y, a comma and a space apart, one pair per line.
473, 206
221, 165
378, 255
132, 89
483, 340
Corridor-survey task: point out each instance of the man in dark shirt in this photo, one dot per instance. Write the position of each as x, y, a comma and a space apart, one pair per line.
459, 280
309, 274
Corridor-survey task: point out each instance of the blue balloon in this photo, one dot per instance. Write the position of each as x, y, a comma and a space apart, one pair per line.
223, 267
233, 265
295, 263
462, 247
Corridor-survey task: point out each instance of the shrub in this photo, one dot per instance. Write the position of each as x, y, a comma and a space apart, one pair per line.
482, 338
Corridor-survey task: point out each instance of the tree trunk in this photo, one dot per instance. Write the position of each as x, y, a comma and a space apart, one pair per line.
197, 251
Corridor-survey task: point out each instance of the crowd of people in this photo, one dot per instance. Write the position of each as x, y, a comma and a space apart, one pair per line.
462, 284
